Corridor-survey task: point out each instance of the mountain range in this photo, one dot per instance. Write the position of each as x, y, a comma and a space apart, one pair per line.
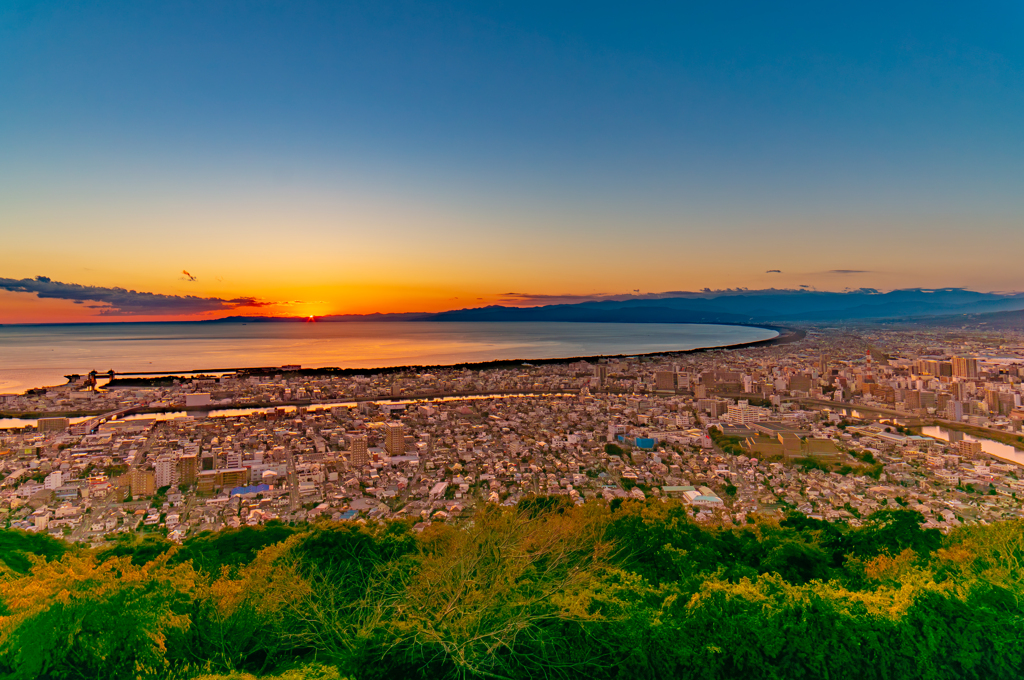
730, 307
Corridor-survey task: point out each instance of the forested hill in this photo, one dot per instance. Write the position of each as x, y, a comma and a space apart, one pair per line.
543, 590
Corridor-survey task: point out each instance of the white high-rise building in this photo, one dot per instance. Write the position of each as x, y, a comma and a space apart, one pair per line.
742, 413
165, 472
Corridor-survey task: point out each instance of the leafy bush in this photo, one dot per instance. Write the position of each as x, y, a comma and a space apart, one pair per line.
16, 546
547, 589
233, 547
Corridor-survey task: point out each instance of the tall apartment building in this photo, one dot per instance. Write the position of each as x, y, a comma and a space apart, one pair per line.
741, 413
394, 438
800, 383
713, 407
968, 449
614, 430
958, 391
601, 373
992, 401
1001, 403
933, 367
913, 400
164, 472
208, 461
665, 381
965, 367
358, 456
188, 469
232, 477
210, 480
142, 482
52, 424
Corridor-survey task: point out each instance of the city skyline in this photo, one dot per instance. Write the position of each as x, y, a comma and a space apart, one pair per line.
322, 159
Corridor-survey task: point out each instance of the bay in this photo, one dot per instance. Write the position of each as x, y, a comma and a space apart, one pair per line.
36, 356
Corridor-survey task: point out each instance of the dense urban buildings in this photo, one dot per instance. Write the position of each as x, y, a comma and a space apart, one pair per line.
837, 425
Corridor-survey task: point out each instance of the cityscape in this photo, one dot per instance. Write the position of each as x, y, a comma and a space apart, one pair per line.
448, 340
830, 426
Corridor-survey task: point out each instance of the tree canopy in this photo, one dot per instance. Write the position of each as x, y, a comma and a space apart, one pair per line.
546, 589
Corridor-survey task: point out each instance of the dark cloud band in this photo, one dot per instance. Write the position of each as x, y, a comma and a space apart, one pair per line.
123, 302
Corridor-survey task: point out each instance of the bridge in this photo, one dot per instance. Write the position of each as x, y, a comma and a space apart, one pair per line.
89, 426
911, 419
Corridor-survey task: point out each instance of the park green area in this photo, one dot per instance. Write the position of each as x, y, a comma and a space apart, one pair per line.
542, 590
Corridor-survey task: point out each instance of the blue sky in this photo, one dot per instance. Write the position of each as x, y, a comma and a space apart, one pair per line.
805, 138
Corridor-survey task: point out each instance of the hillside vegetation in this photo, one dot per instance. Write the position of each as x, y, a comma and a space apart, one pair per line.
543, 590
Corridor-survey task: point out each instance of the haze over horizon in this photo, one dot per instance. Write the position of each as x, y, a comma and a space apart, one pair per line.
315, 158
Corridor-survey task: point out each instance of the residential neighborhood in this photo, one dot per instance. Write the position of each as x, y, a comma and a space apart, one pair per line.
835, 426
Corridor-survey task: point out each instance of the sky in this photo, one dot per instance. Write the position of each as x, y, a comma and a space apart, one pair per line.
174, 160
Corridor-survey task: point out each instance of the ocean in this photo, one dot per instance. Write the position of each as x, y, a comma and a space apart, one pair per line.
37, 356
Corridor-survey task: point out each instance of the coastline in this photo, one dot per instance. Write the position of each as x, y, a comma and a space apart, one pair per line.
784, 336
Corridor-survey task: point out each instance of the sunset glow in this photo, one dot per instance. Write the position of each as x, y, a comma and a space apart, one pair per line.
369, 169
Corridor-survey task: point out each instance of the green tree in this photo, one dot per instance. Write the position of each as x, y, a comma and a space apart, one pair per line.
16, 546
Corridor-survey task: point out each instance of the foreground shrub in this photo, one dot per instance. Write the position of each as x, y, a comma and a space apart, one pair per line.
548, 589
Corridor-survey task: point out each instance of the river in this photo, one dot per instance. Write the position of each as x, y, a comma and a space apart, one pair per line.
1004, 452
15, 423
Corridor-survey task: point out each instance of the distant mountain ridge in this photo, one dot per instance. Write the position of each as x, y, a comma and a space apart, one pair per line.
724, 307
995, 321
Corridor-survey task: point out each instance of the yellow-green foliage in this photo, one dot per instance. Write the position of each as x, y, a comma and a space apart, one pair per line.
304, 672
547, 589
82, 617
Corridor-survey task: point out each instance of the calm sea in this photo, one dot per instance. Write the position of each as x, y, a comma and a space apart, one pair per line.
34, 356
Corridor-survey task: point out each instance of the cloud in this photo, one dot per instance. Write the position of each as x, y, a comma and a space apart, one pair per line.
123, 302
545, 299
848, 271
774, 271
188, 277
568, 298
529, 299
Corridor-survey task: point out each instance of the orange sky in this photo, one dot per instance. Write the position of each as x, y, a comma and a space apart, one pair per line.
338, 157
320, 252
